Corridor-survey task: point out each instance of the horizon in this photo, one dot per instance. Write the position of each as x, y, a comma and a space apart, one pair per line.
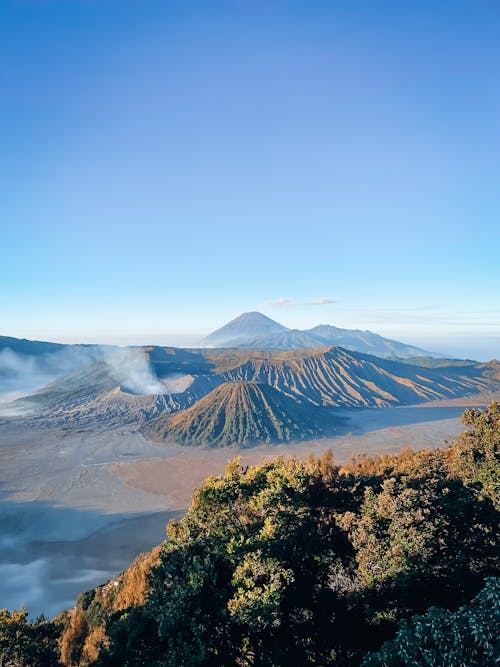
167, 166
481, 349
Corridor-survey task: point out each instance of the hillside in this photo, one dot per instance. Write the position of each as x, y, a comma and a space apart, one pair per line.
239, 413
29, 347
366, 342
27, 365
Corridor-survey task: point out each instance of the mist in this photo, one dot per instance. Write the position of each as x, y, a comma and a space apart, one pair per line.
22, 374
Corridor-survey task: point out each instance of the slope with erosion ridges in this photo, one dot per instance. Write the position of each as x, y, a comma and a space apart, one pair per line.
337, 377
240, 413
118, 407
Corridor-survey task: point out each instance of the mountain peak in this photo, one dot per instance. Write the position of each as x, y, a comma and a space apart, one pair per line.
254, 317
243, 329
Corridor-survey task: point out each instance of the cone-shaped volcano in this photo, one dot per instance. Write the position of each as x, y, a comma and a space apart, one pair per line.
240, 413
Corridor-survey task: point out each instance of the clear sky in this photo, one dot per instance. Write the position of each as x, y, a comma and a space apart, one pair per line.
167, 165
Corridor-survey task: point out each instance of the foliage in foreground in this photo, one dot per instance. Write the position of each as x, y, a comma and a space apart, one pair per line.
292, 563
468, 636
25, 643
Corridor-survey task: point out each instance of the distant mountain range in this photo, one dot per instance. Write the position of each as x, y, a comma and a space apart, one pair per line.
220, 397
256, 331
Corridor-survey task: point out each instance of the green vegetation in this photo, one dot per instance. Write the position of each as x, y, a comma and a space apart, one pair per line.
25, 643
468, 636
476, 454
305, 563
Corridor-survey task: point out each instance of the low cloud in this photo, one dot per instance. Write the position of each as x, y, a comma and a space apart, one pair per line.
291, 303
24, 373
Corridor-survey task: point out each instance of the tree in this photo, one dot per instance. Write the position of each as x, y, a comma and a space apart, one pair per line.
73, 638
475, 457
468, 636
25, 643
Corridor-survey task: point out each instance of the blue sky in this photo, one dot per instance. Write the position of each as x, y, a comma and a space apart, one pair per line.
165, 166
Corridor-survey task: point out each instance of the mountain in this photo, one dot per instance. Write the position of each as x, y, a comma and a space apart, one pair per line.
366, 342
242, 330
256, 331
144, 384
127, 386
29, 347
240, 413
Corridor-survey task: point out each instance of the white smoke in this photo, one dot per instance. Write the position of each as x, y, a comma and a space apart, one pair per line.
132, 370
26, 373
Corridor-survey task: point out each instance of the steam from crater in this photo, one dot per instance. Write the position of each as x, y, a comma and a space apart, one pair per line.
132, 370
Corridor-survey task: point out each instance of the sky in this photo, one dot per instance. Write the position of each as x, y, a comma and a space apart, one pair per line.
165, 166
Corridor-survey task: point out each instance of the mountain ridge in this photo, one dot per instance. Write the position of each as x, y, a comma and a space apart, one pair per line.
257, 331
311, 383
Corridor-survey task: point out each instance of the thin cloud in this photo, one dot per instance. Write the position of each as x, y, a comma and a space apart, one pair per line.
291, 303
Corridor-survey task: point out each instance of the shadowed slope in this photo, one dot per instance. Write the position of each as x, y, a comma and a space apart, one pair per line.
239, 413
